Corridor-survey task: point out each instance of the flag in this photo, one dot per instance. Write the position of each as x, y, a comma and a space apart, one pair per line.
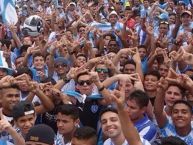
8, 11
4, 65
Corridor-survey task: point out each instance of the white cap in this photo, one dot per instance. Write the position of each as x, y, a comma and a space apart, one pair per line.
72, 3
113, 13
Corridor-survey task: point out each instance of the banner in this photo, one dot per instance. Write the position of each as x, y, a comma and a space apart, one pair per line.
8, 12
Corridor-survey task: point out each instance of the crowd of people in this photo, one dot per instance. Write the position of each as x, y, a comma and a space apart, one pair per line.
97, 72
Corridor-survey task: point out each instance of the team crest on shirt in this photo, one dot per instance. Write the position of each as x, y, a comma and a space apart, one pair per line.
94, 108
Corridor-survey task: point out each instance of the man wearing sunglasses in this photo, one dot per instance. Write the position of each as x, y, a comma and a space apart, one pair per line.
102, 71
91, 107
61, 68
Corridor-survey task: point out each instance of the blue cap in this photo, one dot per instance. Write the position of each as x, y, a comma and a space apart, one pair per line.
163, 17
61, 60
181, 3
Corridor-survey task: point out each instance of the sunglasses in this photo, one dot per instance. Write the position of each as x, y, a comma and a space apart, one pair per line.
164, 22
82, 30
87, 82
60, 65
104, 70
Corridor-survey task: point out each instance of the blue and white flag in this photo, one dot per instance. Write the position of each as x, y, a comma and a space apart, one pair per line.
4, 65
8, 11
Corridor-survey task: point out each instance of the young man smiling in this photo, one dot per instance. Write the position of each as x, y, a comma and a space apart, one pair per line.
111, 127
181, 122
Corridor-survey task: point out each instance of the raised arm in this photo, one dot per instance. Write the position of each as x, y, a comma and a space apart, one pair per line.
6, 126
159, 103
14, 35
137, 59
101, 88
47, 104
182, 56
117, 57
130, 132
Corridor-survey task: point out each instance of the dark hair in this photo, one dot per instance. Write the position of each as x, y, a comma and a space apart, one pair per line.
81, 74
24, 48
49, 79
182, 102
130, 61
153, 73
142, 46
80, 26
6, 42
37, 54
81, 54
128, 8
172, 140
69, 110
24, 70
13, 86
69, 30
136, 12
19, 57
172, 14
86, 133
107, 109
182, 90
141, 98
109, 34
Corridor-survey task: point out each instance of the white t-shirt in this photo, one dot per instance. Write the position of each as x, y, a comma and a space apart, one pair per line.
110, 142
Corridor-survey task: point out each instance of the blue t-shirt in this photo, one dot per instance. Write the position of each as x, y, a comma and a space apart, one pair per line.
169, 130
146, 128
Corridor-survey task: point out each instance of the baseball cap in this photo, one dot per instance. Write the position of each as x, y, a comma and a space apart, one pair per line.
23, 108
181, 3
163, 17
41, 133
113, 13
186, 12
61, 60
72, 3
